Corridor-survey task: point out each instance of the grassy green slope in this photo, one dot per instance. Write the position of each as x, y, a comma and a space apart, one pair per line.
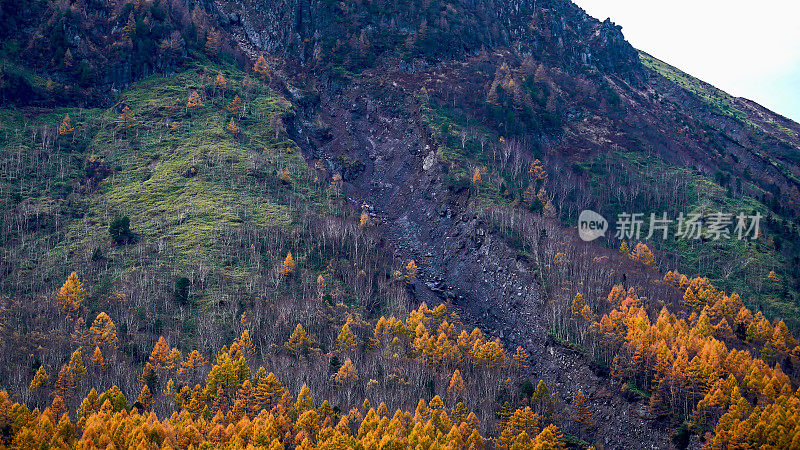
650, 184
722, 103
180, 221
735, 266
732, 264
717, 99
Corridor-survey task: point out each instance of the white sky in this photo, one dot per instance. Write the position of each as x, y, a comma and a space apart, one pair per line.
748, 49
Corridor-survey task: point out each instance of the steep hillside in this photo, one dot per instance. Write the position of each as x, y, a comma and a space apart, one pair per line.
85, 52
379, 201
206, 197
416, 35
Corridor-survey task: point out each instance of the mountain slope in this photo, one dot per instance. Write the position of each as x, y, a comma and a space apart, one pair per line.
385, 157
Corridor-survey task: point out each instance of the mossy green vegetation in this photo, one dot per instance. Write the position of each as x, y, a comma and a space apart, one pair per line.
717, 99
735, 265
642, 178
185, 181
722, 103
463, 146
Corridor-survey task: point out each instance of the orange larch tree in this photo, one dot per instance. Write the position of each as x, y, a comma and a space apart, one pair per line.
347, 374
456, 387
103, 331
521, 357
288, 264
298, 342
236, 106
268, 390
476, 177
194, 100
98, 360
160, 353
577, 304
261, 68
246, 343
71, 294
126, 119
305, 400
66, 126
213, 43
643, 254
232, 127
346, 338
40, 379
65, 384
411, 272
580, 410
220, 82
194, 360
146, 398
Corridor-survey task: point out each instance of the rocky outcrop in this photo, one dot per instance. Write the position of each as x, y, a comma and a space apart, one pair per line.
356, 35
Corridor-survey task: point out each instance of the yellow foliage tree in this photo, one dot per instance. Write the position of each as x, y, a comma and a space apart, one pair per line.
246, 343
288, 264
57, 408
268, 390
643, 254
66, 126
347, 374
160, 353
232, 127
550, 439
521, 357
298, 342
520, 426
537, 170
587, 314
580, 408
173, 359
782, 338
346, 338
194, 100
304, 400
542, 399
703, 325
194, 360
98, 360
261, 67
104, 331
220, 82
213, 43
286, 177
456, 386
126, 119
364, 220
691, 299
65, 384
577, 304
411, 272
39, 379
236, 105
71, 294
69, 60
146, 398
476, 177
772, 275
